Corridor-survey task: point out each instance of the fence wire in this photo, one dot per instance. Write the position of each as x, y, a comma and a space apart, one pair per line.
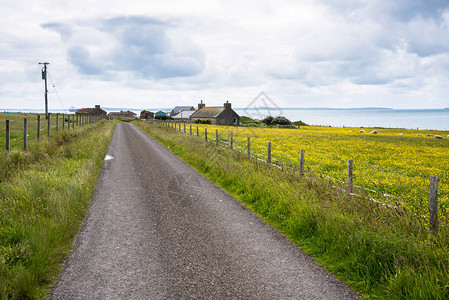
389, 186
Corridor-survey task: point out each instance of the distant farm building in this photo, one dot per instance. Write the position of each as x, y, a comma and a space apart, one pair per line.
179, 109
218, 115
122, 114
160, 114
146, 115
96, 111
183, 116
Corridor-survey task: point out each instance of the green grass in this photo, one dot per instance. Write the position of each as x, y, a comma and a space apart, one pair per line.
44, 195
17, 128
381, 253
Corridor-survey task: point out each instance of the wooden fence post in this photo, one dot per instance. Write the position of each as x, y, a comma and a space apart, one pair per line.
25, 134
349, 181
73, 121
433, 203
190, 129
7, 146
205, 134
269, 153
301, 163
57, 121
216, 137
197, 131
232, 140
249, 147
68, 121
184, 128
38, 126
48, 125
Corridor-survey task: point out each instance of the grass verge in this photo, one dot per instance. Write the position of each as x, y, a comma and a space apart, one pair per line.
382, 253
44, 196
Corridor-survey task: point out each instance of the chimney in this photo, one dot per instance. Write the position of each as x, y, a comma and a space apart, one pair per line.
97, 106
227, 105
201, 105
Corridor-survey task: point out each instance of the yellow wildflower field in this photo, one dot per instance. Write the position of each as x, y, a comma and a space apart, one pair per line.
392, 166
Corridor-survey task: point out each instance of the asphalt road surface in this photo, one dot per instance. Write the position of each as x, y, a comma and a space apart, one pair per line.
157, 229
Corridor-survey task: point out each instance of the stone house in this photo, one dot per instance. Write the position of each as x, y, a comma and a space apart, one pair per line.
219, 115
146, 115
122, 114
97, 112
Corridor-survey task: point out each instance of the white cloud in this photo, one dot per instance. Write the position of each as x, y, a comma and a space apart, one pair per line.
302, 53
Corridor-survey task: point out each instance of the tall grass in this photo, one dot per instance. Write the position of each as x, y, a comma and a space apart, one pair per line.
44, 195
17, 127
382, 253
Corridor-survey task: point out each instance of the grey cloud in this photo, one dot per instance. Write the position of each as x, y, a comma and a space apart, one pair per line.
81, 58
64, 30
404, 10
142, 46
407, 10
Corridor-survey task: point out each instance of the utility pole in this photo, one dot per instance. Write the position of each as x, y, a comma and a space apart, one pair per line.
44, 77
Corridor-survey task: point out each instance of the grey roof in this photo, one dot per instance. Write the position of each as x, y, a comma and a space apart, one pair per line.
178, 109
208, 112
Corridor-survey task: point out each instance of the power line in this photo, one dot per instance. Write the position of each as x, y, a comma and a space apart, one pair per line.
54, 87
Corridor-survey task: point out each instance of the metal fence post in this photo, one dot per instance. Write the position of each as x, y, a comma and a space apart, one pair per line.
301, 163
269, 153
7, 146
349, 184
433, 203
25, 134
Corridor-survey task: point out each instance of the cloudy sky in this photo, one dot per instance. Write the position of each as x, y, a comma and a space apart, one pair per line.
301, 53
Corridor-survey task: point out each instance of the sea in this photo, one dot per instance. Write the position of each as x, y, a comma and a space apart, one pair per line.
423, 119
431, 119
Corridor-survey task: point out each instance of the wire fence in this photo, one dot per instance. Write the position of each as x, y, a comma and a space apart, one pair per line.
388, 186
20, 129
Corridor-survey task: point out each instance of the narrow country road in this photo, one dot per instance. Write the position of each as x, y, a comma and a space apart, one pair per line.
157, 229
